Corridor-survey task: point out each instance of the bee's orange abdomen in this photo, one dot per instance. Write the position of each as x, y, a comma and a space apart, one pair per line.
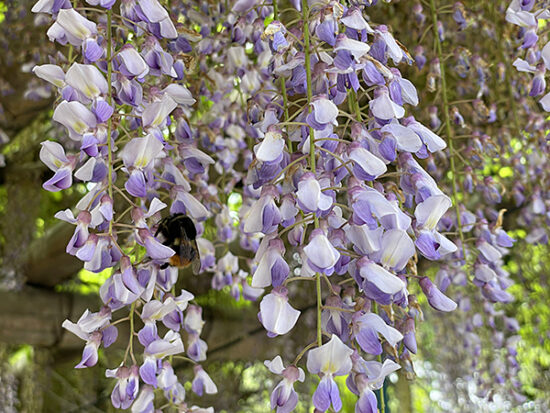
177, 261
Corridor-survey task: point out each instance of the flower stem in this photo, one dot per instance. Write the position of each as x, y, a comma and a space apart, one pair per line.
283, 83
447, 121
110, 102
129, 348
354, 104
306, 348
307, 52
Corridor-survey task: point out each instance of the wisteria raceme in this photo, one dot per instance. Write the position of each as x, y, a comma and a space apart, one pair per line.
308, 118
118, 111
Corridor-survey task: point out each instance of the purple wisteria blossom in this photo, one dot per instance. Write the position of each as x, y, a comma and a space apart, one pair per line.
293, 150
330, 360
284, 397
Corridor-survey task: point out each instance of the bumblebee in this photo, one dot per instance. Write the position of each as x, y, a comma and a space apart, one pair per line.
179, 233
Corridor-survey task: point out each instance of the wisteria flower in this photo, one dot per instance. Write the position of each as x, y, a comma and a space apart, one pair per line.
276, 314
330, 360
283, 396
321, 254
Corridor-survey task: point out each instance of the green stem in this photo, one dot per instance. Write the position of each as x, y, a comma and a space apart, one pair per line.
283, 83
132, 310
447, 122
319, 309
304, 350
352, 95
307, 52
498, 22
110, 102
286, 168
130, 346
382, 401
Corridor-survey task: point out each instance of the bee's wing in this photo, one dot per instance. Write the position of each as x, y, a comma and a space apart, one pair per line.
196, 262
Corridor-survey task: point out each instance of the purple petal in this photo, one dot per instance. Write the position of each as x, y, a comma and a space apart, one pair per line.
387, 149
371, 75
62, 179
92, 51
102, 110
148, 371
368, 339
367, 402
136, 185
321, 397
89, 145
436, 298
89, 356
427, 245
86, 253
279, 271
110, 335
156, 250
326, 31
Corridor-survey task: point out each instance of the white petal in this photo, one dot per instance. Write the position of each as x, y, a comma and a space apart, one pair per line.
278, 316
66, 215
191, 152
391, 335
489, 252
253, 217
394, 51
484, 273
407, 140
75, 329
371, 164
153, 10
523, 66
276, 365
357, 48
382, 278
262, 275
53, 155
155, 206
75, 24
325, 111
155, 113
309, 193
356, 21
74, 116
50, 73
384, 108
321, 252
331, 358
194, 208
180, 94
86, 79
408, 92
429, 212
397, 249
432, 141
446, 246
86, 171
364, 239
270, 148
545, 102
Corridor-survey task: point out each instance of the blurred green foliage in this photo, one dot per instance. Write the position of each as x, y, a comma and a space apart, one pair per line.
531, 308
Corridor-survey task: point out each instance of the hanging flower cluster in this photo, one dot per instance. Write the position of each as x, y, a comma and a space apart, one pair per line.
485, 132
326, 110
305, 116
116, 102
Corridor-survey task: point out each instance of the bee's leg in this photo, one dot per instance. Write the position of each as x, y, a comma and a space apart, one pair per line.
164, 266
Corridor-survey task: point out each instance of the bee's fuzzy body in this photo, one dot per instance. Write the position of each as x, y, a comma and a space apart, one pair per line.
179, 233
